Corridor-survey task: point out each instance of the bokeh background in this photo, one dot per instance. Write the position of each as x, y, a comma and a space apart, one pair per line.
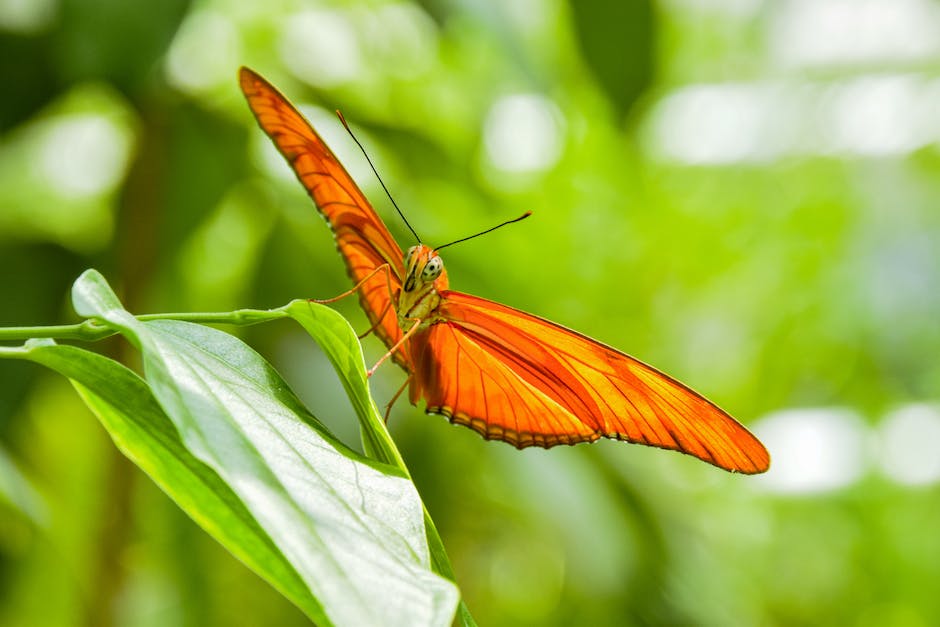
743, 193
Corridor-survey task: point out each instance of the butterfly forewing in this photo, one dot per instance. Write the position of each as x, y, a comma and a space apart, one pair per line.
361, 237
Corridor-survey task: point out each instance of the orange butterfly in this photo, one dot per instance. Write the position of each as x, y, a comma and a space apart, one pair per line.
506, 374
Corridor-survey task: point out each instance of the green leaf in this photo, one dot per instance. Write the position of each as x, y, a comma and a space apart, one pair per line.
141, 430
341, 346
351, 527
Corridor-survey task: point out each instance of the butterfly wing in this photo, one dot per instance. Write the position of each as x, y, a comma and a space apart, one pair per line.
516, 377
361, 237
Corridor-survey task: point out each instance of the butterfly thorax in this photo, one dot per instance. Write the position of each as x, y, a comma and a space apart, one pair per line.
422, 283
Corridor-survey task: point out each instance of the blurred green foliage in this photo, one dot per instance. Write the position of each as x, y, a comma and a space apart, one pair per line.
750, 208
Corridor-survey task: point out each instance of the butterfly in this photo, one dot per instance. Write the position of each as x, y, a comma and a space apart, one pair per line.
506, 374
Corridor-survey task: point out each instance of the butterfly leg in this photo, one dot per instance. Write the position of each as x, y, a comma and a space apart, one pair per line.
388, 305
404, 338
388, 408
378, 321
358, 286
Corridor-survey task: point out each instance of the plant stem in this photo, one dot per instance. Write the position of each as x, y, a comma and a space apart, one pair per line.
91, 330
87, 330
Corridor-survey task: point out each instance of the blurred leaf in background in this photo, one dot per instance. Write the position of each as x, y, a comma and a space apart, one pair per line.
742, 193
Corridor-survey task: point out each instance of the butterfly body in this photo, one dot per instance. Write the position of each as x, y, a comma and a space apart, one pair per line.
504, 373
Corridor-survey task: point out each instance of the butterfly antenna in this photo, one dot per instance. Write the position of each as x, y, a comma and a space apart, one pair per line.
387, 193
489, 230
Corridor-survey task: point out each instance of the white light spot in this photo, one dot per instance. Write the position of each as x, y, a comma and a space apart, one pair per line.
885, 115
713, 123
26, 16
838, 32
908, 444
203, 53
84, 155
522, 133
528, 16
321, 47
812, 450
873, 116
401, 39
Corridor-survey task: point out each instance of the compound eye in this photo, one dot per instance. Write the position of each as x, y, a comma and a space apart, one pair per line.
409, 255
432, 269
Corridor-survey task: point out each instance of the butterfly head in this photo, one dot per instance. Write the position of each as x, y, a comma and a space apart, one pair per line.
424, 270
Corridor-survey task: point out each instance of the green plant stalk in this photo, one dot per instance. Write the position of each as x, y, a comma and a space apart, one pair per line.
91, 330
